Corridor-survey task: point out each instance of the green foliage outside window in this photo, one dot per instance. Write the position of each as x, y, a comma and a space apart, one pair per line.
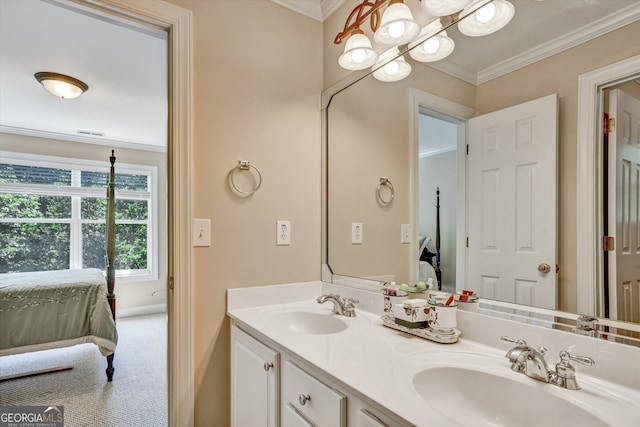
44, 241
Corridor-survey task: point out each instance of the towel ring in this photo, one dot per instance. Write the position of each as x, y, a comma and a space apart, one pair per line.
386, 183
244, 166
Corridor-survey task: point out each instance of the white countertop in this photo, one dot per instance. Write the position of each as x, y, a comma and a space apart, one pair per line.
366, 358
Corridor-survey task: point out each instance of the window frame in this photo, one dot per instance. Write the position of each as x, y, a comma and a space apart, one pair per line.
76, 193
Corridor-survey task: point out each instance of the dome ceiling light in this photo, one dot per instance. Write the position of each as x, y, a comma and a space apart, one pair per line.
62, 86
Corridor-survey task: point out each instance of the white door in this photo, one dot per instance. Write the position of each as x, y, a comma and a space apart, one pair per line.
624, 170
512, 170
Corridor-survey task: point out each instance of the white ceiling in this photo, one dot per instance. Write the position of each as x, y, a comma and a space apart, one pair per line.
125, 66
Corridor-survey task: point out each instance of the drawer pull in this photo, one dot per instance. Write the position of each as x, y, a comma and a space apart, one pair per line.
267, 366
303, 399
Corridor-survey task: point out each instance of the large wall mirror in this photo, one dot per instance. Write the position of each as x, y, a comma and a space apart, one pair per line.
414, 133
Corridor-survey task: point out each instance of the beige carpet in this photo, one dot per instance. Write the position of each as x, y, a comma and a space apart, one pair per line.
137, 396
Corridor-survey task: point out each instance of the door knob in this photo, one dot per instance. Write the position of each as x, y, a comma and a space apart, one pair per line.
544, 268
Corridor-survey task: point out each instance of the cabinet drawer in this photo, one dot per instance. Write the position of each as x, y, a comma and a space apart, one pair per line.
318, 403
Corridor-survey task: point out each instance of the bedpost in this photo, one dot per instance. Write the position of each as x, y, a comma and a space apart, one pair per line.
438, 271
111, 251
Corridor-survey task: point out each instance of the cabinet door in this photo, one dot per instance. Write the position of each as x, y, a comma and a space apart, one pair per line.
366, 419
254, 382
292, 418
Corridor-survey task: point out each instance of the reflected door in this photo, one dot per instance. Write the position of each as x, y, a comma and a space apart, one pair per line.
512, 168
624, 162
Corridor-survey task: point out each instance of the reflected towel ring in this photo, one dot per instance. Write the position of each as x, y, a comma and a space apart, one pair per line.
244, 166
385, 182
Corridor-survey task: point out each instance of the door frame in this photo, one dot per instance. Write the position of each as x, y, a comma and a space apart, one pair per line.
589, 202
177, 22
418, 100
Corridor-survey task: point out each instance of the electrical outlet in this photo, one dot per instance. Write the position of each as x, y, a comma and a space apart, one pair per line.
201, 232
405, 236
356, 233
283, 233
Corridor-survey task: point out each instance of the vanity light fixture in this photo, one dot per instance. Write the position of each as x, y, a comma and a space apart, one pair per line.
488, 19
358, 53
390, 67
60, 85
433, 44
443, 7
397, 27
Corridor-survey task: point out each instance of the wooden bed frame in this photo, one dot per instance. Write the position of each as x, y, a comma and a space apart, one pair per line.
110, 231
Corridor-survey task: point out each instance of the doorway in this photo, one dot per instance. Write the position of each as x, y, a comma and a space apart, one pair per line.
437, 186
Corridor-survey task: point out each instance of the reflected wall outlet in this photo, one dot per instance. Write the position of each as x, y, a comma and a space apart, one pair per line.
405, 231
283, 233
201, 232
356, 233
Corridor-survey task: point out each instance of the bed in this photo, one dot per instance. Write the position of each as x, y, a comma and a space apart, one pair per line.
52, 309
429, 262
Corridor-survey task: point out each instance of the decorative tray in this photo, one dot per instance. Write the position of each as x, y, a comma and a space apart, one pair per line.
426, 333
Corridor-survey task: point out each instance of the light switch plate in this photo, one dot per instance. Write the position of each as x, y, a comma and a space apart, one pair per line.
283, 233
201, 232
356, 233
405, 231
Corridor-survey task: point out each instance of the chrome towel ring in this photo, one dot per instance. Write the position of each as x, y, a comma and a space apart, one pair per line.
384, 182
244, 166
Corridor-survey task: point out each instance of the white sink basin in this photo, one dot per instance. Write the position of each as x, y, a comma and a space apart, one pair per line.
308, 322
474, 389
484, 399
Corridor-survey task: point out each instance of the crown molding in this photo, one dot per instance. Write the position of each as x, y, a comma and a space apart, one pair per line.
79, 138
314, 9
581, 35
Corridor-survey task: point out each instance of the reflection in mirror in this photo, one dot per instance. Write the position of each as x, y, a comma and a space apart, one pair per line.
372, 132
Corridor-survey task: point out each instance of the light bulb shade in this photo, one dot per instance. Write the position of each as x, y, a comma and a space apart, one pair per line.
443, 7
486, 20
358, 53
429, 47
388, 69
60, 85
397, 26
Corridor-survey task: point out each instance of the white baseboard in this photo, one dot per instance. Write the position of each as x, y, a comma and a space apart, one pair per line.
141, 310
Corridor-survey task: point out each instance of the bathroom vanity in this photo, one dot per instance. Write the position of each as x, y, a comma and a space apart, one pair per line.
296, 363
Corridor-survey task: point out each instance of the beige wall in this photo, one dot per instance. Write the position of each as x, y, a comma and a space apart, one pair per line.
257, 84
130, 294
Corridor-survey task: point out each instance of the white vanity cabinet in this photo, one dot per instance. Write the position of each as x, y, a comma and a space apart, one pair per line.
292, 393
255, 376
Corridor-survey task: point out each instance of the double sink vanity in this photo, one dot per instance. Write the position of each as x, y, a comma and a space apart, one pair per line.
296, 362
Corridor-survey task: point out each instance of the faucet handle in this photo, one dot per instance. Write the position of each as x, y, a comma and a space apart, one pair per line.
565, 357
352, 300
565, 375
511, 340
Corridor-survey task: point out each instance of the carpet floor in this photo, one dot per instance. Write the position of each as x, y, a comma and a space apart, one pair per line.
137, 396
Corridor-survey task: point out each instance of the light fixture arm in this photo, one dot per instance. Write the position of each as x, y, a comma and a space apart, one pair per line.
369, 9
359, 15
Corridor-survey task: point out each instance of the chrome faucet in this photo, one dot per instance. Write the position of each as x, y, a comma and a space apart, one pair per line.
527, 360
531, 362
343, 307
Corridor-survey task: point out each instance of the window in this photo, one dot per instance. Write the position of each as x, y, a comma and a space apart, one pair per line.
52, 215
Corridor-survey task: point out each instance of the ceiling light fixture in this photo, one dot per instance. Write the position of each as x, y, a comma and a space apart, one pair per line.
60, 85
397, 27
